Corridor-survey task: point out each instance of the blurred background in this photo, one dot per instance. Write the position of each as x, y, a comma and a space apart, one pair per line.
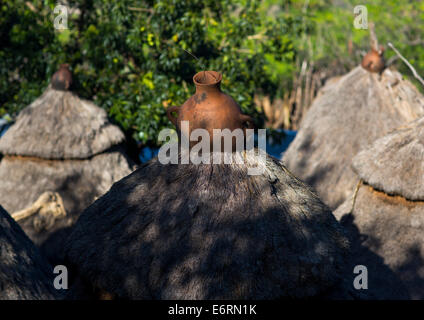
136, 58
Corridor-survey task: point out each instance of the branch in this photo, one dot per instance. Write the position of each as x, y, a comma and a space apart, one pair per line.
31, 6
414, 72
373, 37
141, 9
49, 203
415, 42
258, 36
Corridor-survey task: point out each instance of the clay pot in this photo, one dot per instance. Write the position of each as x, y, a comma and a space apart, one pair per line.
62, 78
373, 61
209, 108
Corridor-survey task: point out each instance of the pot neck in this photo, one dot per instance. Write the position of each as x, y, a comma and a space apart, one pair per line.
207, 82
215, 88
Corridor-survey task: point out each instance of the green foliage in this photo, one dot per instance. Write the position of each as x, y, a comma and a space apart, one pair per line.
328, 29
131, 56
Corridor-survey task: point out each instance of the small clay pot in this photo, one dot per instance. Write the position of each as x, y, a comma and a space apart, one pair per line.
62, 78
373, 61
209, 108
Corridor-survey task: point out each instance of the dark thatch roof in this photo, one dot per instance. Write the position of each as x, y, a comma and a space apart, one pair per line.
395, 163
78, 182
351, 114
383, 211
208, 232
393, 228
24, 274
59, 143
60, 125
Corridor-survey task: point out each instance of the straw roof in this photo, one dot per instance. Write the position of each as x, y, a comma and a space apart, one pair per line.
79, 183
389, 206
208, 232
59, 143
395, 163
24, 274
351, 114
393, 228
60, 125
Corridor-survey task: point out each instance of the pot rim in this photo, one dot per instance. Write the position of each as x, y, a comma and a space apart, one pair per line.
217, 75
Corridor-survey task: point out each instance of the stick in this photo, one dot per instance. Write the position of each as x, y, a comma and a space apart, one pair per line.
414, 72
50, 201
373, 37
30, 6
25, 213
355, 194
140, 9
203, 66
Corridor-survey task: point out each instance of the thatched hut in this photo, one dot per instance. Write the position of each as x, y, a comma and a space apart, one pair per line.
350, 114
63, 144
24, 274
208, 231
388, 208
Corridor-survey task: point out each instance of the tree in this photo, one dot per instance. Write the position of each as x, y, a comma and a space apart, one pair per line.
136, 58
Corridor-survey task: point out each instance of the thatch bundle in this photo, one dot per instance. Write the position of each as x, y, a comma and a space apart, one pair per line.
350, 114
24, 274
63, 144
208, 231
388, 209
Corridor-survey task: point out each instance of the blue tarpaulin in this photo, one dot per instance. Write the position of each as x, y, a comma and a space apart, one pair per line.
277, 148
4, 125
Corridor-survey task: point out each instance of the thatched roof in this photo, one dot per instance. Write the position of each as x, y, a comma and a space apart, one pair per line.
395, 163
392, 228
208, 232
60, 125
24, 274
59, 143
355, 111
389, 207
79, 183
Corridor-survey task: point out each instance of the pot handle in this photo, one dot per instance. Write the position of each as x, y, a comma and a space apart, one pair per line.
171, 118
245, 118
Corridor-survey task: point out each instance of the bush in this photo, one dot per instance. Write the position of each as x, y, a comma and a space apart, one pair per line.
329, 39
133, 57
